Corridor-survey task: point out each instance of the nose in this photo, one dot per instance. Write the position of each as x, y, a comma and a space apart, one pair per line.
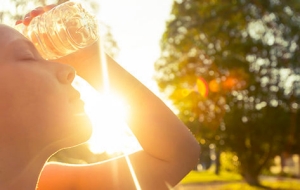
65, 73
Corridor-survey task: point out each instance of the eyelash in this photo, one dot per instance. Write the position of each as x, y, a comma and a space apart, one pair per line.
28, 56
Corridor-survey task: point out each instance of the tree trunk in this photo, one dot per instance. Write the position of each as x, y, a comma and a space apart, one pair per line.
218, 162
251, 178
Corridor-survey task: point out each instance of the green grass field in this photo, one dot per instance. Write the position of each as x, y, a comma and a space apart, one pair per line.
233, 181
209, 176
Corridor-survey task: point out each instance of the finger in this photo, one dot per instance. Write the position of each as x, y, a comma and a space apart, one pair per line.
37, 11
49, 7
34, 13
27, 15
18, 22
27, 20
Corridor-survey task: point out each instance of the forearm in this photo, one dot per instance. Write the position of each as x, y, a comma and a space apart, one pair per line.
157, 128
169, 149
152, 122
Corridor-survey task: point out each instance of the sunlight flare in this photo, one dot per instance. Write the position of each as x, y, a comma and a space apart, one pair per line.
135, 180
108, 115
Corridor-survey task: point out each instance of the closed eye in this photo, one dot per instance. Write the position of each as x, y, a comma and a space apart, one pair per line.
26, 56
25, 50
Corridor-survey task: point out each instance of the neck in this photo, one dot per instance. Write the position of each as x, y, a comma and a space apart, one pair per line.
20, 167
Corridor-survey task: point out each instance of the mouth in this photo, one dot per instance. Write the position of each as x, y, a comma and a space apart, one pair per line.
78, 109
75, 97
77, 102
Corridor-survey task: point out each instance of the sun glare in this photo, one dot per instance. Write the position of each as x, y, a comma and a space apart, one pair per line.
108, 114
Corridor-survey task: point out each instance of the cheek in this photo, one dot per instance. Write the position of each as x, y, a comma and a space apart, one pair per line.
47, 118
60, 123
27, 104
39, 106
49, 109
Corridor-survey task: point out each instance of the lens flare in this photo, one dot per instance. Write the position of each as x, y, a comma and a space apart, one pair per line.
108, 114
201, 87
135, 180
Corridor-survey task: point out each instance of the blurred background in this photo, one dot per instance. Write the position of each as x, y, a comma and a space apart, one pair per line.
230, 70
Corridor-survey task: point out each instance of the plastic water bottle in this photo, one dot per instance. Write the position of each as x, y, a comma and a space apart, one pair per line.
61, 30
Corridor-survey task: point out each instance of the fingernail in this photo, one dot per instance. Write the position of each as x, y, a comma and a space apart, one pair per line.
26, 20
18, 22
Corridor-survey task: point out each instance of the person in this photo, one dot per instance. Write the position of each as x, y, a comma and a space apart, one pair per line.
41, 113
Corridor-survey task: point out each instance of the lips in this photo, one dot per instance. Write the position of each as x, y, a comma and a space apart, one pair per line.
75, 96
77, 102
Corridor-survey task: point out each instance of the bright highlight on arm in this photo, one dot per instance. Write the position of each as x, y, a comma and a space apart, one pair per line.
108, 114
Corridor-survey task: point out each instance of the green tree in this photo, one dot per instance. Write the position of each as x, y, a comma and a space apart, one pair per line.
247, 52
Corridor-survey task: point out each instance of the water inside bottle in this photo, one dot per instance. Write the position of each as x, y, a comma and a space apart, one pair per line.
62, 30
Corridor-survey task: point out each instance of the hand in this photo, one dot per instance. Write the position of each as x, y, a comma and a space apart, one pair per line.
87, 64
34, 13
85, 61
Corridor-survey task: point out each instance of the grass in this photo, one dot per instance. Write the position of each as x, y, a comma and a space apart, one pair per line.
288, 185
233, 181
209, 176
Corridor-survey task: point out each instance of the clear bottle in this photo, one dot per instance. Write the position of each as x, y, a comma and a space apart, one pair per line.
62, 30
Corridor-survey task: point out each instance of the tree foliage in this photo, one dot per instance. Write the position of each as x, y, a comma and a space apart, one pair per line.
247, 52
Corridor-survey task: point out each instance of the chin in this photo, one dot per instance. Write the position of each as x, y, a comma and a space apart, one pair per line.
83, 129
80, 131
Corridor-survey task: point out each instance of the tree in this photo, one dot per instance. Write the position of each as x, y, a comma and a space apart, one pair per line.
247, 52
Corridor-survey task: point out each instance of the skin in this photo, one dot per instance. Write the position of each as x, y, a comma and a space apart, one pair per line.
49, 117
39, 109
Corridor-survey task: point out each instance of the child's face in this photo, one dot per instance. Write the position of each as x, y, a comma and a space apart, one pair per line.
37, 101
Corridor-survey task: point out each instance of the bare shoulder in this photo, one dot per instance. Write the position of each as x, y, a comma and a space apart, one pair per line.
112, 174
131, 172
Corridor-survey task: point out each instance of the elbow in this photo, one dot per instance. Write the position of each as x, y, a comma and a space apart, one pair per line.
188, 162
190, 154
190, 157
194, 154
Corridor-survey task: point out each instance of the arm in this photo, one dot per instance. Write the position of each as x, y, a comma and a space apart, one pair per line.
169, 149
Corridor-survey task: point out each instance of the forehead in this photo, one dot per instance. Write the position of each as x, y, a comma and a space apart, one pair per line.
8, 35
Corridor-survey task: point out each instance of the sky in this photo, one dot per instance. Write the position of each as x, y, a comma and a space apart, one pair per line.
137, 26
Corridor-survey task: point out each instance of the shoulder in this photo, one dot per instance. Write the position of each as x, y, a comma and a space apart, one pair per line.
57, 176
102, 175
